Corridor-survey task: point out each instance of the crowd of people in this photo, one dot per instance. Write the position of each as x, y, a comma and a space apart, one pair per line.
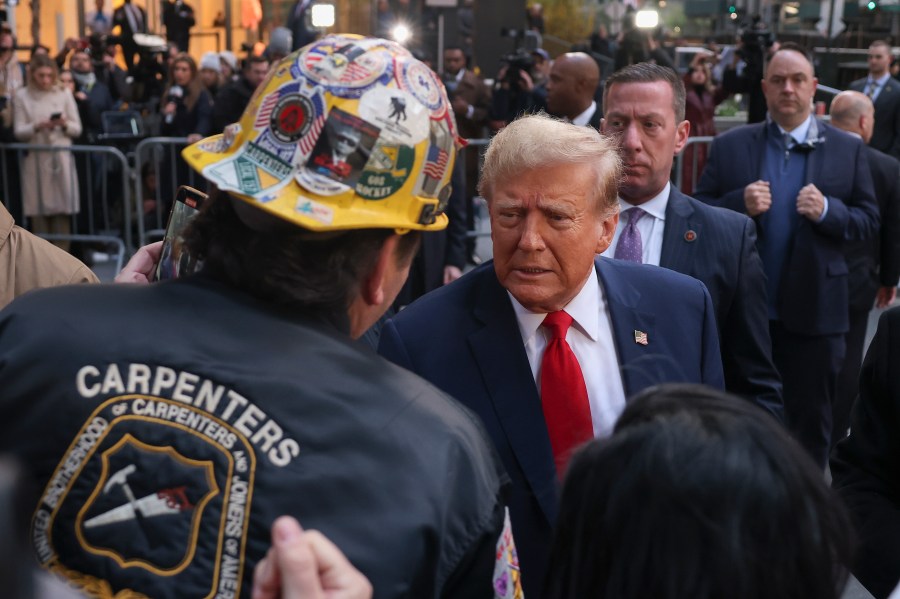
643, 379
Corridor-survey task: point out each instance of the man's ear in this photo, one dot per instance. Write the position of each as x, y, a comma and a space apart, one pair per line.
607, 232
373, 285
682, 132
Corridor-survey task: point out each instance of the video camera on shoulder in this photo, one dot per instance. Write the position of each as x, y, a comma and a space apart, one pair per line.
520, 59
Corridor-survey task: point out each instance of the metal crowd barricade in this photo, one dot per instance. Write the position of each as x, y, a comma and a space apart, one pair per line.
100, 174
692, 154
482, 229
159, 170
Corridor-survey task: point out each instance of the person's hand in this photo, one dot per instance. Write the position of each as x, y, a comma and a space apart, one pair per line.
81, 96
170, 108
194, 138
460, 107
885, 297
70, 44
306, 565
141, 265
451, 273
526, 83
44, 125
811, 202
757, 198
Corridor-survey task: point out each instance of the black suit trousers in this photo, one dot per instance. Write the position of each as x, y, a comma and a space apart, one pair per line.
848, 379
809, 366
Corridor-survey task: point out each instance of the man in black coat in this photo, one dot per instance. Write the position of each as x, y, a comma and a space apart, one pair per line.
884, 91
866, 465
232, 99
92, 97
178, 17
874, 264
130, 19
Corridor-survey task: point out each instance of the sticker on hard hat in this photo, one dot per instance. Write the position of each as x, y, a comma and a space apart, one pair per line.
292, 117
401, 117
386, 172
315, 210
319, 184
422, 83
343, 150
346, 69
437, 161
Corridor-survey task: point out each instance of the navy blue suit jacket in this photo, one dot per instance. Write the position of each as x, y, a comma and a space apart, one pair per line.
464, 338
718, 247
813, 293
886, 136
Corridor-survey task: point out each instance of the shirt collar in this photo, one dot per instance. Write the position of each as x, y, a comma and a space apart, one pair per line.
881, 80
655, 207
585, 117
584, 310
460, 75
800, 133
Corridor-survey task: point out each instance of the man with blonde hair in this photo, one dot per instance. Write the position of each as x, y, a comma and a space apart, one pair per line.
507, 350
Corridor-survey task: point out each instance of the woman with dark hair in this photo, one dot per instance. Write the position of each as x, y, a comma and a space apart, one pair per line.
697, 495
186, 105
702, 97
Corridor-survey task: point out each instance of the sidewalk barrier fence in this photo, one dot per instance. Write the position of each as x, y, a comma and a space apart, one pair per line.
101, 176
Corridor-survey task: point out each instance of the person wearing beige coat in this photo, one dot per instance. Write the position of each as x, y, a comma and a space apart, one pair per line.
28, 262
49, 179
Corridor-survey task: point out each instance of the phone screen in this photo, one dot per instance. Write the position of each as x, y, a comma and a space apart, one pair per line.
55, 116
175, 261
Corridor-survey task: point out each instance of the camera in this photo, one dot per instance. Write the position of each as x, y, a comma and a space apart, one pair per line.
517, 62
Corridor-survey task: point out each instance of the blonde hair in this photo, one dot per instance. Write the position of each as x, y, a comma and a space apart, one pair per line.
541, 141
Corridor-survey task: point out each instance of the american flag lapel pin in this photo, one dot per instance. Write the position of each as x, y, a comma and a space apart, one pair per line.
640, 337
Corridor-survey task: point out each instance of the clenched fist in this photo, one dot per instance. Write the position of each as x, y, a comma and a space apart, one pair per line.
757, 197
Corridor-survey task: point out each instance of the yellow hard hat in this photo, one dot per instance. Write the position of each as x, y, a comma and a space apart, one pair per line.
347, 133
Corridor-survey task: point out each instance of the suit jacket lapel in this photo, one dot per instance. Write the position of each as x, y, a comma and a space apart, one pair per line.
627, 321
816, 158
500, 356
756, 151
677, 252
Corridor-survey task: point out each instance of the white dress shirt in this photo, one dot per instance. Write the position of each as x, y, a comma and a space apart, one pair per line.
584, 119
879, 85
651, 226
591, 340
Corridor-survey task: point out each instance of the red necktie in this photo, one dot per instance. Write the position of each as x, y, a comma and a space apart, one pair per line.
563, 394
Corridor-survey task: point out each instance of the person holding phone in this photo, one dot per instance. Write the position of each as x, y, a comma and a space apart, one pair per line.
45, 113
245, 396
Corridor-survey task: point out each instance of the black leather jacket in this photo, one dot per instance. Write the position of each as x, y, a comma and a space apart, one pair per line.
169, 425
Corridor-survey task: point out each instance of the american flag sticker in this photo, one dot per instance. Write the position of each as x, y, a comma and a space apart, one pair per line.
640, 337
265, 110
436, 162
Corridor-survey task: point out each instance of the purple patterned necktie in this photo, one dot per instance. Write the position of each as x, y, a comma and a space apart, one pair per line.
630, 247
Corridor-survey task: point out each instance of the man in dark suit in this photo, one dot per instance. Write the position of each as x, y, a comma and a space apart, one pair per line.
660, 225
573, 81
494, 339
866, 465
884, 91
471, 100
178, 17
130, 19
809, 188
874, 264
